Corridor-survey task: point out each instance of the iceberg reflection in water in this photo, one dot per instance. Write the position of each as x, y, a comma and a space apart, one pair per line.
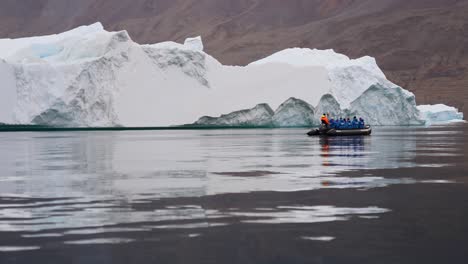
158, 164
82, 184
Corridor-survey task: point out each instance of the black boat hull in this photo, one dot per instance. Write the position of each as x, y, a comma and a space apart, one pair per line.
336, 132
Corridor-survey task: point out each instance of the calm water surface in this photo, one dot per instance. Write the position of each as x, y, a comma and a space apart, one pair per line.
64, 191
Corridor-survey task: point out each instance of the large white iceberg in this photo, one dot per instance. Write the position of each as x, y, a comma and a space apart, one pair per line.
91, 77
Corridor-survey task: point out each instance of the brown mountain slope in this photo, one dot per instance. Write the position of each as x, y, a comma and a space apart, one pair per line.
420, 44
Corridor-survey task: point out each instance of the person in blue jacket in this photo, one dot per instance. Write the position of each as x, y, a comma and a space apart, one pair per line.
361, 123
355, 123
332, 123
342, 123
349, 124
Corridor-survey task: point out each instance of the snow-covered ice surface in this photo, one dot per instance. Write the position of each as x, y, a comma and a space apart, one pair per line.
91, 77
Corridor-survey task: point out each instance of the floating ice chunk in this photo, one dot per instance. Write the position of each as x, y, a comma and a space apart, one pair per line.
440, 113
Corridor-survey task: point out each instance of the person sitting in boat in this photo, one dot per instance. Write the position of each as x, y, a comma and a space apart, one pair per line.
361, 123
349, 124
325, 121
332, 123
355, 123
342, 124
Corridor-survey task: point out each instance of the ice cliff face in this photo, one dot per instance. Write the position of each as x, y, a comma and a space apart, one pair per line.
92, 77
69, 89
386, 106
378, 105
260, 115
328, 104
294, 112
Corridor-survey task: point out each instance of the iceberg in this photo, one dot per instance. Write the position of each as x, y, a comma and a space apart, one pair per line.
90, 77
439, 113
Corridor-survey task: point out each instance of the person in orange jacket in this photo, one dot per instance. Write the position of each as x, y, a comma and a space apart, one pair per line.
325, 120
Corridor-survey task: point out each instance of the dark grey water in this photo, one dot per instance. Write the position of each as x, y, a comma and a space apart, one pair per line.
62, 192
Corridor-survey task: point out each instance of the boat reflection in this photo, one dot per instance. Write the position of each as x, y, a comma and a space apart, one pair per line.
352, 146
